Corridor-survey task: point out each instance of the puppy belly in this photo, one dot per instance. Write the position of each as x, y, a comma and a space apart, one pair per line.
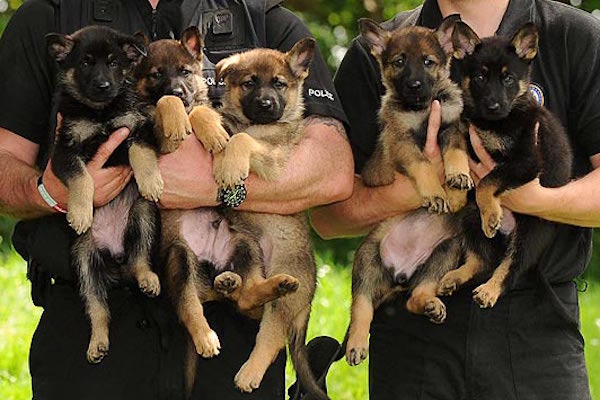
410, 242
110, 222
208, 236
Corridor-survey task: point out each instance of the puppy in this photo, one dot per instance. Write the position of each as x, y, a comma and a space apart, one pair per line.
415, 69
95, 97
525, 140
250, 258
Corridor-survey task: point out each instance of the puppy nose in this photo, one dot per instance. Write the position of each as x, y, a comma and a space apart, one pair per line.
415, 85
103, 85
177, 92
265, 103
493, 106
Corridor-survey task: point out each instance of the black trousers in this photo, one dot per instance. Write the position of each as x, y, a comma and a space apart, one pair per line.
528, 347
146, 356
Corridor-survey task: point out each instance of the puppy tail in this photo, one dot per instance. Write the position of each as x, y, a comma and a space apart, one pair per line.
299, 354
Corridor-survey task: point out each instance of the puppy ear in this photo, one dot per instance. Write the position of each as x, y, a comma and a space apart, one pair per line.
464, 40
444, 32
134, 48
226, 66
142, 38
300, 56
525, 42
59, 46
193, 42
375, 36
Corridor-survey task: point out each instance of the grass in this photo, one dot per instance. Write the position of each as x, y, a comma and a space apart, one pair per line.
18, 318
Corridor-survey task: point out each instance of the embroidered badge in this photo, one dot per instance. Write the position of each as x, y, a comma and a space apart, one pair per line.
538, 93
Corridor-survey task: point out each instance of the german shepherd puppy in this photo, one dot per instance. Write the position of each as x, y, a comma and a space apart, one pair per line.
250, 258
415, 69
96, 96
524, 139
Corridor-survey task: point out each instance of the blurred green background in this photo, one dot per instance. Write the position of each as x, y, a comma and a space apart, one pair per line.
333, 22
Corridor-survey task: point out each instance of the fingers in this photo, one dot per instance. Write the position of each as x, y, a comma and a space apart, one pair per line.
104, 151
432, 149
110, 183
480, 151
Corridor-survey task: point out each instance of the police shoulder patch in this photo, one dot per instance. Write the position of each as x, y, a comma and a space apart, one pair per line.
538, 93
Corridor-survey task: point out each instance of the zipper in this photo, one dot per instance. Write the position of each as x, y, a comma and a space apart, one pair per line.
154, 12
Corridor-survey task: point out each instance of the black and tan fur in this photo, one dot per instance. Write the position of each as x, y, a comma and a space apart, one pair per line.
272, 256
415, 69
525, 140
96, 96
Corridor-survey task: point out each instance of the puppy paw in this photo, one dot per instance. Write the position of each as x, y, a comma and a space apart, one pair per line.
207, 344
457, 199
448, 285
487, 295
151, 187
491, 221
435, 310
230, 171
206, 124
97, 350
287, 284
80, 217
436, 204
356, 352
248, 378
460, 181
226, 282
149, 283
172, 121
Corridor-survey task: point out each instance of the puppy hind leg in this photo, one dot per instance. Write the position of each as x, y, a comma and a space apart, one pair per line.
269, 342
94, 293
140, 239
454, 279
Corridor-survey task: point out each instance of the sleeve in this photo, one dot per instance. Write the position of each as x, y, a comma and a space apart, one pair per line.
283, 30
360, 89
583, 47
26, 82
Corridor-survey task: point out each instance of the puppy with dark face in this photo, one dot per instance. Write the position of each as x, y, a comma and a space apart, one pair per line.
524, 139
171, 78
95, 97
415, 68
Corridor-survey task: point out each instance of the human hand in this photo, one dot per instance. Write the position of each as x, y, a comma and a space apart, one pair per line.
108, 182
188, 177
432, 148
524, 199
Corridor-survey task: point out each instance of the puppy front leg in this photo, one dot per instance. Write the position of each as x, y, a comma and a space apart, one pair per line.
232, 166
172, 124
206, 124
81, 199
144, 163
456, 167
489, 205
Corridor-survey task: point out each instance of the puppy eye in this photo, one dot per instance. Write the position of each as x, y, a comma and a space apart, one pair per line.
479, 78
186, 72
113, 64
399, 62
85, 64
279, 85
429, 62
156, 75
248, 84
508, 80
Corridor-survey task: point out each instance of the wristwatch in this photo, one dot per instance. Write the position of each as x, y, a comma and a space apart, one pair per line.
232, 196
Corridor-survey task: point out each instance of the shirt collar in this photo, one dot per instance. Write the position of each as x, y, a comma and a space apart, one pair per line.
517, 14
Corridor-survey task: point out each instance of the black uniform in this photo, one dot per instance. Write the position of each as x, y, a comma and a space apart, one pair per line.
147, 343
529, 345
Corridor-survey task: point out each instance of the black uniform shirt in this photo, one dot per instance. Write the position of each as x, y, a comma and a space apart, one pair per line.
564, 74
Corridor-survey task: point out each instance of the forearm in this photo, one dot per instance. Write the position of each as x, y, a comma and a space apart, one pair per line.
577, 203
319, 171
365, 208
18, 189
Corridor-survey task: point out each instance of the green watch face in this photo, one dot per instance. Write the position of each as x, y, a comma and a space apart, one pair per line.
234, 196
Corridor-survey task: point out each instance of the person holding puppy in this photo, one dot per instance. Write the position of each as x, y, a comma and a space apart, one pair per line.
146, 358
529, 345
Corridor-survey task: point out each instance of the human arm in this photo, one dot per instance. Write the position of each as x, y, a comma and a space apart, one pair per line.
576, 203
319, 171
369, 205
